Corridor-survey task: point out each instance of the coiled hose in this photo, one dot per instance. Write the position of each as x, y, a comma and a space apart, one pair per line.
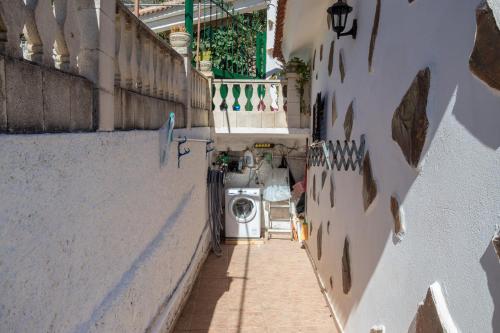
215, 183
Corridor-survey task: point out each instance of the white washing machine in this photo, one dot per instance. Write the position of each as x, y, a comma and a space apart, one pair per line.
243, 213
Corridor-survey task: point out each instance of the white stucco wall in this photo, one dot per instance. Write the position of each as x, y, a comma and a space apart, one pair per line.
94, 236
272, 64
451, 203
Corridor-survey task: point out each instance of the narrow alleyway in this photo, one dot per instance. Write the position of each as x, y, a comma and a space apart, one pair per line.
257, 288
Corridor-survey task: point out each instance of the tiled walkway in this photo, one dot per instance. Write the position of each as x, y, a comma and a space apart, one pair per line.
257, 288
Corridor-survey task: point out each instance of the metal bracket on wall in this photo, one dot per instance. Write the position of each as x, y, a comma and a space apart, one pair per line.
179, 153
209, 148
341, 155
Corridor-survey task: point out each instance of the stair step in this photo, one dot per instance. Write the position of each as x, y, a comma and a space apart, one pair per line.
277, 231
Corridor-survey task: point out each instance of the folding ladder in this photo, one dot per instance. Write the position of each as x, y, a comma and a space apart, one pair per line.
280, 225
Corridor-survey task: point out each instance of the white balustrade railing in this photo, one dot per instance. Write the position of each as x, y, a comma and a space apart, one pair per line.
144, 62
255, 104
55, 33
249, 95
200, 92
105, 43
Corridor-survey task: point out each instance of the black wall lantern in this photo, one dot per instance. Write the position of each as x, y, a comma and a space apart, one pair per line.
339, 12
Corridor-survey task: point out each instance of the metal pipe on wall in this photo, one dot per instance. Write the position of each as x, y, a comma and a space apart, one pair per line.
137, 5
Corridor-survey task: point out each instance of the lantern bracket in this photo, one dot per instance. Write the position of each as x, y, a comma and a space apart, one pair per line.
339, 13
353, 32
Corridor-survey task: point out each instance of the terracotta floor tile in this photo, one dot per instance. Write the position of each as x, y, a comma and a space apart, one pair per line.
258, 288
184, 322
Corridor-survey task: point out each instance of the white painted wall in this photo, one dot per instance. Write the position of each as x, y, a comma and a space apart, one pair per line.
451, 204
272, 64
94, 236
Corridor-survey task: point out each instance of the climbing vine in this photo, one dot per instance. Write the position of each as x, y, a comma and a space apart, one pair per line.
303, 71
231, 45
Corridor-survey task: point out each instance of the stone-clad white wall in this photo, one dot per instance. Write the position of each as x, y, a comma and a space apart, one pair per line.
451, 202
94, 236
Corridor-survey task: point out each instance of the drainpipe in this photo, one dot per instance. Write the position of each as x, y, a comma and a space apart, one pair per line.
136, 7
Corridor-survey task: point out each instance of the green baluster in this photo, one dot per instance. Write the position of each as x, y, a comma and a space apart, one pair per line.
236, 95
261, 92
223, 93
249, 94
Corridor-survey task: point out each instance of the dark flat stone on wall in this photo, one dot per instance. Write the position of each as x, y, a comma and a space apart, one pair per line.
334, 109
409, 122
346, 268
484, 61
314, 60
314, 188
341, 66
373, 38
330, 57
399, 228
332, 191
319, 240
496, 244
433, 315
348, 122
369, 185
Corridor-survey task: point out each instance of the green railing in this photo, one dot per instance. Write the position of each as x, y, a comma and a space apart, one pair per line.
235, 43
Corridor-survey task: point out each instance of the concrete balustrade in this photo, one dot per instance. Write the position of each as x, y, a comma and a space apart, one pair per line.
200, 99
150, 77
135, 79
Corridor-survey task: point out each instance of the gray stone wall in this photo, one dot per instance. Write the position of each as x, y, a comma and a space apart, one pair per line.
137, 111
36, 99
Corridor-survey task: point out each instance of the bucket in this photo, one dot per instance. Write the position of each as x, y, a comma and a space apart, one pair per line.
303, 231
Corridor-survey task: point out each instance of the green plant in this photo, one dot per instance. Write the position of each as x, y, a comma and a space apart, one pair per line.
178, 28
232, 45
206, 55
303, 71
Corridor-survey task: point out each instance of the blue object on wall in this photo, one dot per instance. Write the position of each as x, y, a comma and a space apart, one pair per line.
166, 138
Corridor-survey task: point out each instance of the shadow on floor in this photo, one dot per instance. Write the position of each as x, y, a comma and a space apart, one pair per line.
257, 288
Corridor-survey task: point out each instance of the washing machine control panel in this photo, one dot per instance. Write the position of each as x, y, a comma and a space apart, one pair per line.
244, 191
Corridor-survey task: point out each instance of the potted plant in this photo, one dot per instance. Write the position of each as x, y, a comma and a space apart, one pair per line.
206, 61
179, 37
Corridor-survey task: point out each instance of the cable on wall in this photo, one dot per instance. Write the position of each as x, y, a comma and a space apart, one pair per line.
215, 183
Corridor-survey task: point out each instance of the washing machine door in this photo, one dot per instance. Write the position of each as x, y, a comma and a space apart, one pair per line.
243, 209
